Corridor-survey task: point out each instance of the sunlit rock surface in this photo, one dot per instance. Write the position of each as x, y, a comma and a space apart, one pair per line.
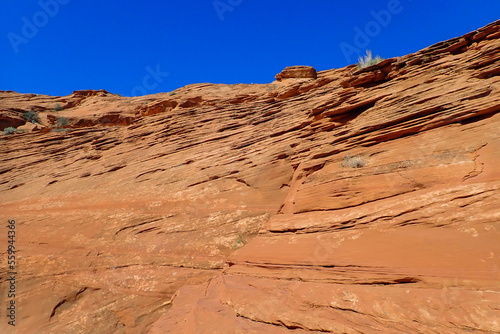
239, 209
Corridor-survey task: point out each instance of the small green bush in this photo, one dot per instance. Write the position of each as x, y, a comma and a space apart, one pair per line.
57, 107
31, 116
62, 121
368, 60
239, 242
172, 93
10, 130
355, 161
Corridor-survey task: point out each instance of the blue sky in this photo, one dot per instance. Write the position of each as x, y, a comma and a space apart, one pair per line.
149, 46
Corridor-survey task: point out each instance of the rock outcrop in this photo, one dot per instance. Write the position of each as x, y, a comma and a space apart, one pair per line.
237, 208
297, 72
31, 127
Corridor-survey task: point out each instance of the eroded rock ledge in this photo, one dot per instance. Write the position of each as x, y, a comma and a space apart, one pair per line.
297, 72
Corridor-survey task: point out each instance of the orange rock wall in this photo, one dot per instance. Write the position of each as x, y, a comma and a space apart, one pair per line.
239, 209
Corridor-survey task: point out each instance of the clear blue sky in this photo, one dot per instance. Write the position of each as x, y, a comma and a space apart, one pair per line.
128, 47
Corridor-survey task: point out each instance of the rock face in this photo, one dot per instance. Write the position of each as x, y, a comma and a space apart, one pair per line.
297, 72
30, 127
239, 209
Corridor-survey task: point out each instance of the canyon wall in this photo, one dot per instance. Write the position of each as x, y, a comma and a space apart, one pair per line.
343, 201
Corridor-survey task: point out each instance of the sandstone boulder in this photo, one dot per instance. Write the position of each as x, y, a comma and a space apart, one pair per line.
30, 127
297, 72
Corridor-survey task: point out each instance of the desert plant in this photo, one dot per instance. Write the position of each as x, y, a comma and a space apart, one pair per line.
172, 93
368, 60
239, 241
355, 161
57, 107
62, 121
9, 130
31, 116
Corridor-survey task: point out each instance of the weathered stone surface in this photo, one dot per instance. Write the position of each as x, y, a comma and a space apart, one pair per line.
229, 209
297, 72
30, 127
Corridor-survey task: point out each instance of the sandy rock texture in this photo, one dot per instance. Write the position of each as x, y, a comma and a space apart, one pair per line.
297, 72
359, 201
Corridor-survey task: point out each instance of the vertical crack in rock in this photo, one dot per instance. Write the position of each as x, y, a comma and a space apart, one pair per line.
478, 166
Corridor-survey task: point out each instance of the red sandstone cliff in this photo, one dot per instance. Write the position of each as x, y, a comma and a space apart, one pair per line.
359, 201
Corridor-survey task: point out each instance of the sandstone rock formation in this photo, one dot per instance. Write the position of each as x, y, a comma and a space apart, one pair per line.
297, 72
30, 127
233, 208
